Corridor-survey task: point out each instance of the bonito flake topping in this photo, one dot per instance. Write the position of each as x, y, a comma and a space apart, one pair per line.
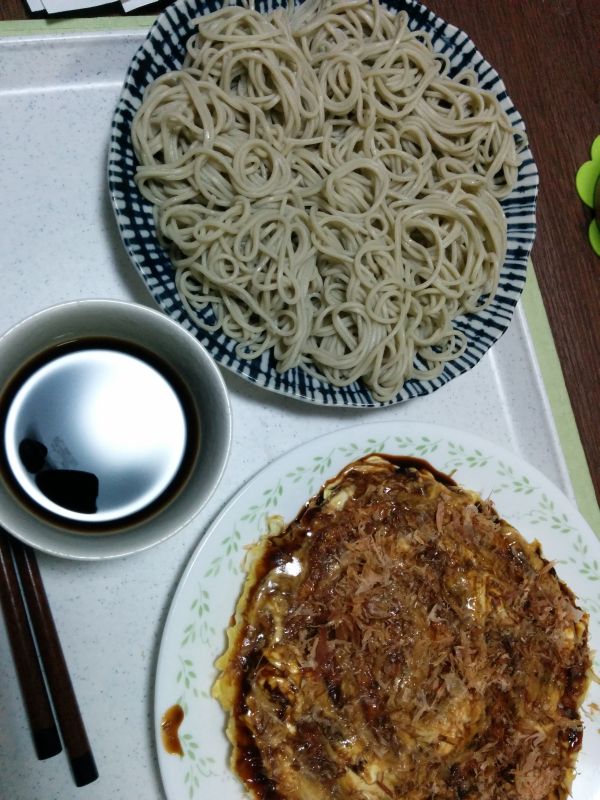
399, 640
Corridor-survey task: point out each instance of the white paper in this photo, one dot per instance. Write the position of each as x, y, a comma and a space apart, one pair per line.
59, 6
131, 5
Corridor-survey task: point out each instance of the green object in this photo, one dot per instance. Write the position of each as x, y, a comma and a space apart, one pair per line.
594, 234
587, 182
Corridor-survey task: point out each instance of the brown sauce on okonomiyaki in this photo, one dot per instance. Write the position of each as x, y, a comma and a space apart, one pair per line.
400, 640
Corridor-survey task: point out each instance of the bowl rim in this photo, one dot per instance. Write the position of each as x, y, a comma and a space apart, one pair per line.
60, 542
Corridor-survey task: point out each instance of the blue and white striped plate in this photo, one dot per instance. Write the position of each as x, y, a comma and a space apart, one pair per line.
163, 50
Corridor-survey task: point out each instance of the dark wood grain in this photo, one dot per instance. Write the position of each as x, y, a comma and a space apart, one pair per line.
68, 715
31, 679
548, 53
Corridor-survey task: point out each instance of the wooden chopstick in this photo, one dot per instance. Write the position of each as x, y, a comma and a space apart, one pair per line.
29, 623
70, 723
35, 696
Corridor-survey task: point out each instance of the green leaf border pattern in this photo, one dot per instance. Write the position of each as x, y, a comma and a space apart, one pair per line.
310, 475
198, 632
230, 558
197, 766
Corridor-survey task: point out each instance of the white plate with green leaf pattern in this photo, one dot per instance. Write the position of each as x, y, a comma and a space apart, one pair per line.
194, 634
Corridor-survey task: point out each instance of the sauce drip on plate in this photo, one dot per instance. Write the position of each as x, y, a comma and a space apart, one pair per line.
169, 730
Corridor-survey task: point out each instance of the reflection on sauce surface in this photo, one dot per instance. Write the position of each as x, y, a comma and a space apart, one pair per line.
169, 730
96, 434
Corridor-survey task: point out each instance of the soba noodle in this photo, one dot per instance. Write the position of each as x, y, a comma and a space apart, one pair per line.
327, 189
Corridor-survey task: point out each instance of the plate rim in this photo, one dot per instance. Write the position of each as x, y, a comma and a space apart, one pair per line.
312, 389
406, 427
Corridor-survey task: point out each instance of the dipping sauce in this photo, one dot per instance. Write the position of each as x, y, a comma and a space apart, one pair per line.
98, 433
169, 730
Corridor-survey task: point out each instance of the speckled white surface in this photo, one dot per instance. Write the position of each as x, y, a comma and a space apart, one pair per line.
58, 241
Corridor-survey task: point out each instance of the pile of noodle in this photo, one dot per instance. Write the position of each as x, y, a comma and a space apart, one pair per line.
327, 190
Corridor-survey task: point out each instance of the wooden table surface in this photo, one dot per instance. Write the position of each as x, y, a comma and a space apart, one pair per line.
548, 53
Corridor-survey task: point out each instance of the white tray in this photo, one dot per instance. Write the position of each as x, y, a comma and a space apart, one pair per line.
59, 241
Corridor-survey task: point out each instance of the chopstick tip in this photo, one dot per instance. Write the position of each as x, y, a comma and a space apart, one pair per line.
46, 742
84, 769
